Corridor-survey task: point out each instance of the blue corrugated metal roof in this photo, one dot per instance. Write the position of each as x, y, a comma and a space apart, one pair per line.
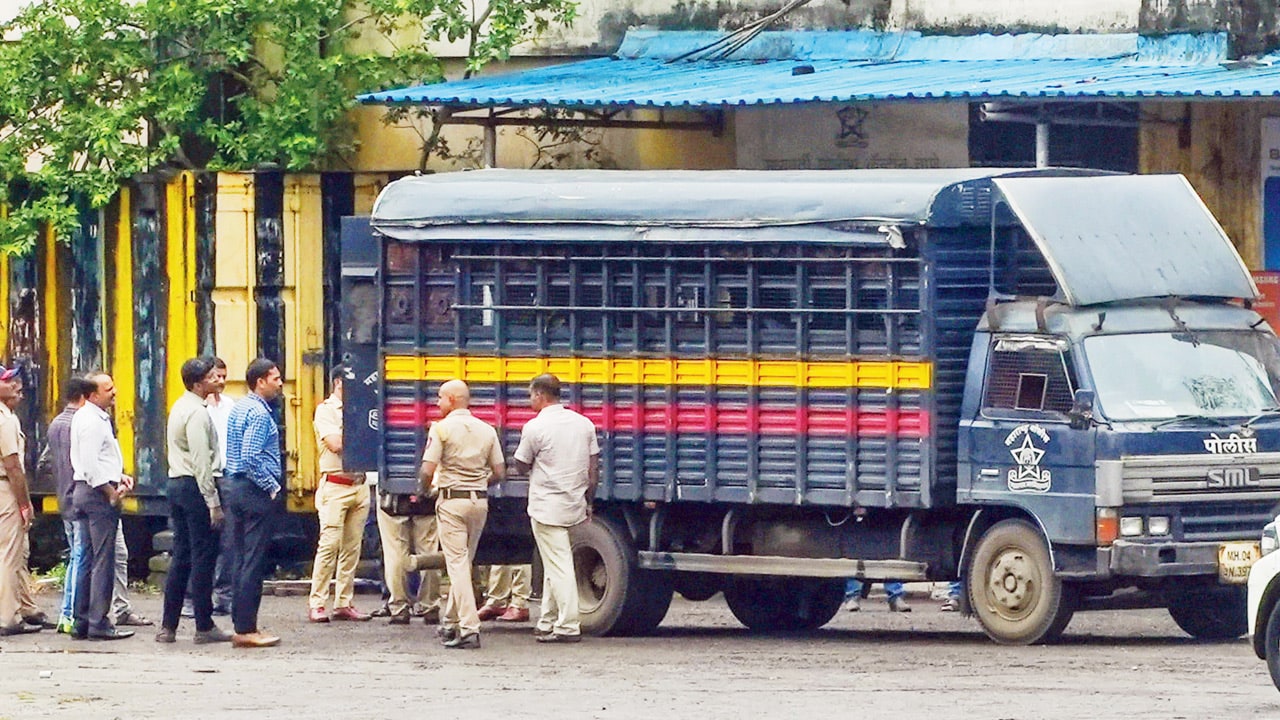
795, 67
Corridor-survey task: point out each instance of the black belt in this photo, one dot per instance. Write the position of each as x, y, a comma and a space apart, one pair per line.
455, 494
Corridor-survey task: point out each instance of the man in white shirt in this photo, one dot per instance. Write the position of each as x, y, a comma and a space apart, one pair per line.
100, 486
559, 450
219, 406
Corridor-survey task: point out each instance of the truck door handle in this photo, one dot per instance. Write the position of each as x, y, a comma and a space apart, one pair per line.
989, 472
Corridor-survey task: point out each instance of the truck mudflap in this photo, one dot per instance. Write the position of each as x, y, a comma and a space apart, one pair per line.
1164, 559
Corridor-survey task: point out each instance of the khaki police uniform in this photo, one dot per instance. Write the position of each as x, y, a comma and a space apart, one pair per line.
464, 449
14, 588
342, 504
508, 586
403, 536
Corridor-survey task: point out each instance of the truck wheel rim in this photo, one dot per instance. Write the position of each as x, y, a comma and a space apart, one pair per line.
1013, 585
592, 576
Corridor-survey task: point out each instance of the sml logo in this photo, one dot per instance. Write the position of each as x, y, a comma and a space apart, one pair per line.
1028, 476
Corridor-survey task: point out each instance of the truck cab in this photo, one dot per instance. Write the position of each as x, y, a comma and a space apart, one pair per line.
1133, 413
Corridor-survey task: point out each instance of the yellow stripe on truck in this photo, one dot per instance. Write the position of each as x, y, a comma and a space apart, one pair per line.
899, 375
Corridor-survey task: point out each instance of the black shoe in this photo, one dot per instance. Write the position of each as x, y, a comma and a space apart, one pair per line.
79, 631
110, 634
19, 629
464, 642
383, 611
400, 618
212, 635
447, 634
41, 621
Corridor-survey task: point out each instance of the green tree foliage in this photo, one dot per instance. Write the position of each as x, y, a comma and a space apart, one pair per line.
93, 92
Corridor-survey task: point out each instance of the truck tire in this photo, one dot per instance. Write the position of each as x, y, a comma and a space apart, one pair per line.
1012, 587
784, 604
1272, 650
615, 596
1212, 613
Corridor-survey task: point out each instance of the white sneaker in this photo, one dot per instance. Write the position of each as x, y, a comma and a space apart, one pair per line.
951, 604
899, 605
852, 605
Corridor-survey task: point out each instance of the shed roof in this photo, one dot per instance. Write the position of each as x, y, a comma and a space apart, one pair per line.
665, 70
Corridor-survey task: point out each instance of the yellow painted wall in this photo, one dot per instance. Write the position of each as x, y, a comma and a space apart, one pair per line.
235, 274
385, 148
181, 341
303, 296
121, 341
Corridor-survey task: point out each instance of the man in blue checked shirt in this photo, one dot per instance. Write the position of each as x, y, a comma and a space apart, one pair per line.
252, 480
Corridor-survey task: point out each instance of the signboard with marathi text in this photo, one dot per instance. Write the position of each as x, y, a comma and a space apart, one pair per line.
1268, 303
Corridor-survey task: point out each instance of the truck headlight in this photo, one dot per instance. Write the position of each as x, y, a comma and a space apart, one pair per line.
1158, 525
1130, 526
1270, 540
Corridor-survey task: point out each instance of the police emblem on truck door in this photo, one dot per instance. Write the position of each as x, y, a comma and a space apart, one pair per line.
1026, 444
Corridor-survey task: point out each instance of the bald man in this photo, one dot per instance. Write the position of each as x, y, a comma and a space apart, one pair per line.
461, 460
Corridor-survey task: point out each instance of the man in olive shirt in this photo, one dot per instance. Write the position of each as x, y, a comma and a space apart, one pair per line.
342, 504
461, 460
194, 506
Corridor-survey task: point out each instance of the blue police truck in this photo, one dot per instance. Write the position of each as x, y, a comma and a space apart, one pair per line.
1049, 384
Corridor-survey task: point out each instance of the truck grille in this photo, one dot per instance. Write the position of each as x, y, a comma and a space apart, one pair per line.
1201, 478
1225, 521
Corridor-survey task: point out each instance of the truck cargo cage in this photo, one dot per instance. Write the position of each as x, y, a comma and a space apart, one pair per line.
736, 367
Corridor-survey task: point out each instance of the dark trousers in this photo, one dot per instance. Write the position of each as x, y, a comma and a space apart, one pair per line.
195, 549
224, 568
223, 572
98, 521
250, 512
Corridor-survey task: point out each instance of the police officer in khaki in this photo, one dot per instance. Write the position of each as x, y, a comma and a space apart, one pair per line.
342, 503
461, 460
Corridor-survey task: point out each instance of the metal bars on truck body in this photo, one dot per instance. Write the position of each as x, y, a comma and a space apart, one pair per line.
704, 377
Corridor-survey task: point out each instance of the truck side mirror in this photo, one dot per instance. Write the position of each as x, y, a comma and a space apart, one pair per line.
1082, 409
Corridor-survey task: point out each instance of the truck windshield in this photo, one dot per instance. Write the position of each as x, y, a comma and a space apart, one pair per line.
1155, 376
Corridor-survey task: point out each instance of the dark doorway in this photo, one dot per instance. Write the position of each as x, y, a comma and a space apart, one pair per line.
1081, 134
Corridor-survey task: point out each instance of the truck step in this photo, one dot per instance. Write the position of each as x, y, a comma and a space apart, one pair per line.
904, 570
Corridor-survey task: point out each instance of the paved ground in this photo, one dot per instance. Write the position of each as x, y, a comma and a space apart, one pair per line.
701, 664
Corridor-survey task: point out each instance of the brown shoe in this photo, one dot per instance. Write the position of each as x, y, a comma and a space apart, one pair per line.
316, 615
514, 614
350, 614
254, 640
491, 611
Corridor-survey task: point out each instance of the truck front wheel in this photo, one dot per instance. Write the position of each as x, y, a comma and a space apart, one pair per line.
1012, 587
1272, 638
615, 597
1214, 613
784, 604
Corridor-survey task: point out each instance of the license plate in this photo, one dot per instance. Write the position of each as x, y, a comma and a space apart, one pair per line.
1235, 559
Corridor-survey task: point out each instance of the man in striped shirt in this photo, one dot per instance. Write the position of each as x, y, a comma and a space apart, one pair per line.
253, 475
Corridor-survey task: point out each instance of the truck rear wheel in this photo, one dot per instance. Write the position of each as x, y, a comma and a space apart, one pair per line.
784, 604
615, 597
1012, 588
1214, 613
